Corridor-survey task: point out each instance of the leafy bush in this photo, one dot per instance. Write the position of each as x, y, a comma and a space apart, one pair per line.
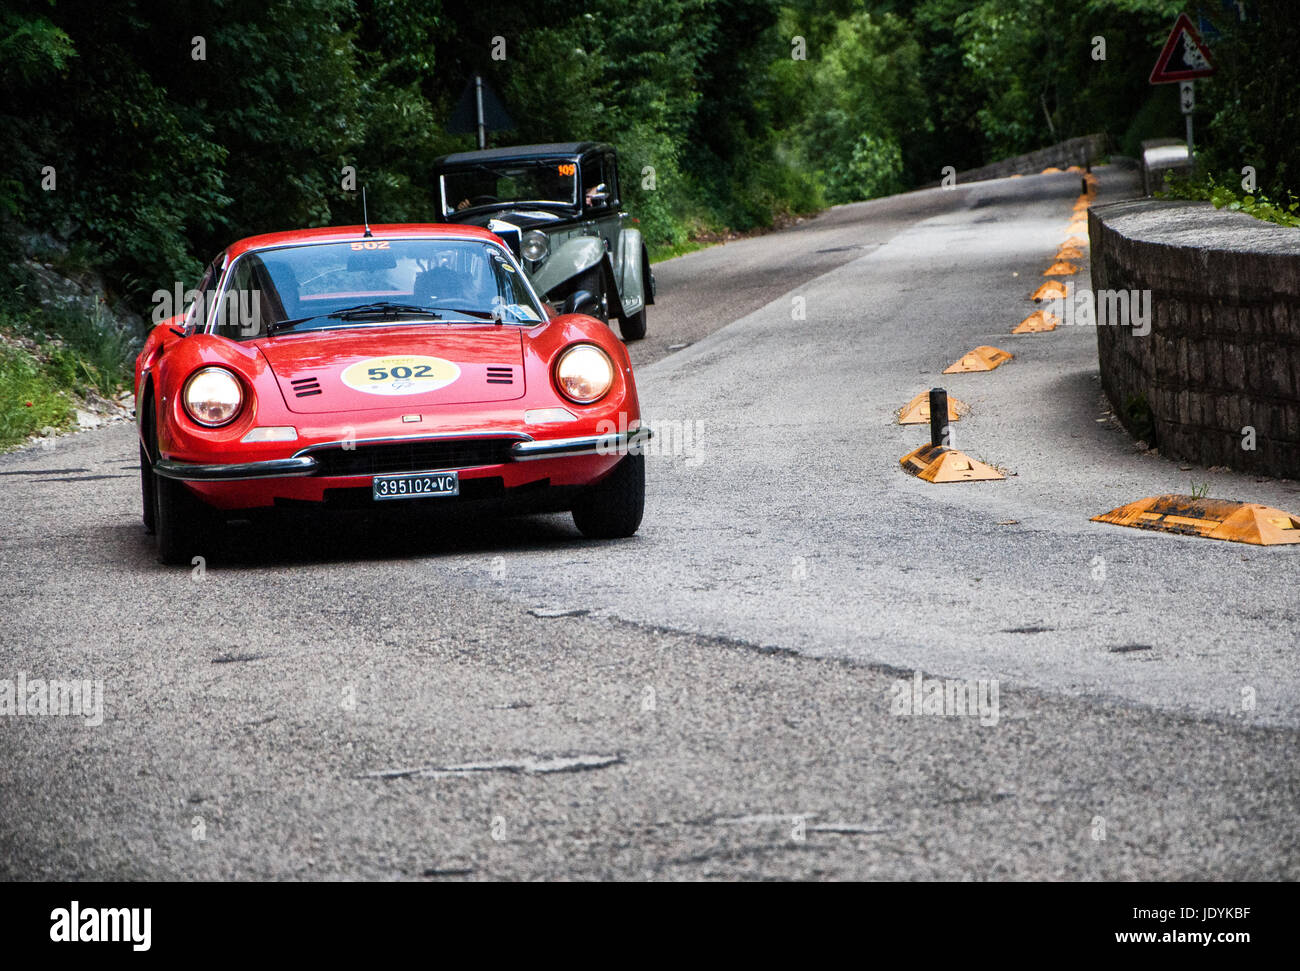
1226, 197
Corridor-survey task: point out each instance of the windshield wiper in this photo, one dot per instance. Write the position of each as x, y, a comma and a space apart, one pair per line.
384, 308
275, 325
481, 314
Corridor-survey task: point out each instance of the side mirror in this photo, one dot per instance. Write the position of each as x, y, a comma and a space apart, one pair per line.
580, 302
598, 196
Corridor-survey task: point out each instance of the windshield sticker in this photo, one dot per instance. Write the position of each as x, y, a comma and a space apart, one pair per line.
411, 374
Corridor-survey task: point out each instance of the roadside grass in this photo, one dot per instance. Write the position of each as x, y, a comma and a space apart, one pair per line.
49, 361
670, 251
84, 354
30, 398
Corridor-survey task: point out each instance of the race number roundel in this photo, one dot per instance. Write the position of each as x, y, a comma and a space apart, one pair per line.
408, 374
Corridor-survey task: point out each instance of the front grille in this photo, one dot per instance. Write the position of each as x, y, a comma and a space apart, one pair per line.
500, 375
415, 456
305, 387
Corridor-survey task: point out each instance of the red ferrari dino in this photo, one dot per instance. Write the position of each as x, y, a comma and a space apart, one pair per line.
363, 367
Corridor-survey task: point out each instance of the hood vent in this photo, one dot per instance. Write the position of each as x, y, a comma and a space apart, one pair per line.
500, 375
305, 387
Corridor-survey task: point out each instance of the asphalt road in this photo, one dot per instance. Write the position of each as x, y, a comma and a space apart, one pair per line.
718, 696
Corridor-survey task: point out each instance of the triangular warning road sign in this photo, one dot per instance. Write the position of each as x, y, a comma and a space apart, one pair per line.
1185, 56
464, 117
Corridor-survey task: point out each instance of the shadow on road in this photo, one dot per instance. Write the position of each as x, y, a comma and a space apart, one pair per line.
305, 538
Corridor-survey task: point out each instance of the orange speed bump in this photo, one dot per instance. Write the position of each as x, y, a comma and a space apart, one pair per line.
1238, 522
1076, 241
938, 463
983, 358
1052, 290
1069, 253
1077, 226
917, 411
1061, 268
1036, 323
1051, 169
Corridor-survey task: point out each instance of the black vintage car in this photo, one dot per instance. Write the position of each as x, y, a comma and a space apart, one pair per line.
558, 207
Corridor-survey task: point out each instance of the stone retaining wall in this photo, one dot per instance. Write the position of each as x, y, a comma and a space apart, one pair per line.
1223, 354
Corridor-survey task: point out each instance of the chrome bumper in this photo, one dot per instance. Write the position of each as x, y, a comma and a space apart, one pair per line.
615, 443
272, 469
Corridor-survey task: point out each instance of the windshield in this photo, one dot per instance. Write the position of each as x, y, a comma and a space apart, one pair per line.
552, 183
368, 282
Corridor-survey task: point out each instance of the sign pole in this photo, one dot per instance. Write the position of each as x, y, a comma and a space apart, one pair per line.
478, 100
1187, 99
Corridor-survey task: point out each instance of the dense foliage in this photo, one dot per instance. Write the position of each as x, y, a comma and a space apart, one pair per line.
174, 126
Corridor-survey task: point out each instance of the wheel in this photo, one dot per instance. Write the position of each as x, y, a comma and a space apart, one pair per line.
613, 507
147, 499
179, 521
632, 328
593, 281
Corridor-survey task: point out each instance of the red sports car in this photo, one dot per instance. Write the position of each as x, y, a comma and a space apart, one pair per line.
364, 367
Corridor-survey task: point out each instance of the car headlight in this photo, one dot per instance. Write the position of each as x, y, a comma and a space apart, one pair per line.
535, 245
213, 396
584, 373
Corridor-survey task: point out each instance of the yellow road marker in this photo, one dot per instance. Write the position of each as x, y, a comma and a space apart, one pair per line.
1069, 253
1226, 519
1036, 323
938, 463
983, 358
1051, 290
1061, 269
1076, 241
917, 411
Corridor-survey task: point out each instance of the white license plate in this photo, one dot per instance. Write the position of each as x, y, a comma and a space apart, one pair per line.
416, 485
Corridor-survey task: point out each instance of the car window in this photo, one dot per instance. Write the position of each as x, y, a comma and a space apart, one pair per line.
593, 177
543, 182
460, 280
250, 300
196, 314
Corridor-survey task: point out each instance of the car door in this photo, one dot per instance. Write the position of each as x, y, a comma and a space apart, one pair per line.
602, 218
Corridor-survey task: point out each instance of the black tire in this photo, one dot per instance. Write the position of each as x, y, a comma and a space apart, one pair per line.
593, 281
632, 328
147, 500
180, 521
613, 507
